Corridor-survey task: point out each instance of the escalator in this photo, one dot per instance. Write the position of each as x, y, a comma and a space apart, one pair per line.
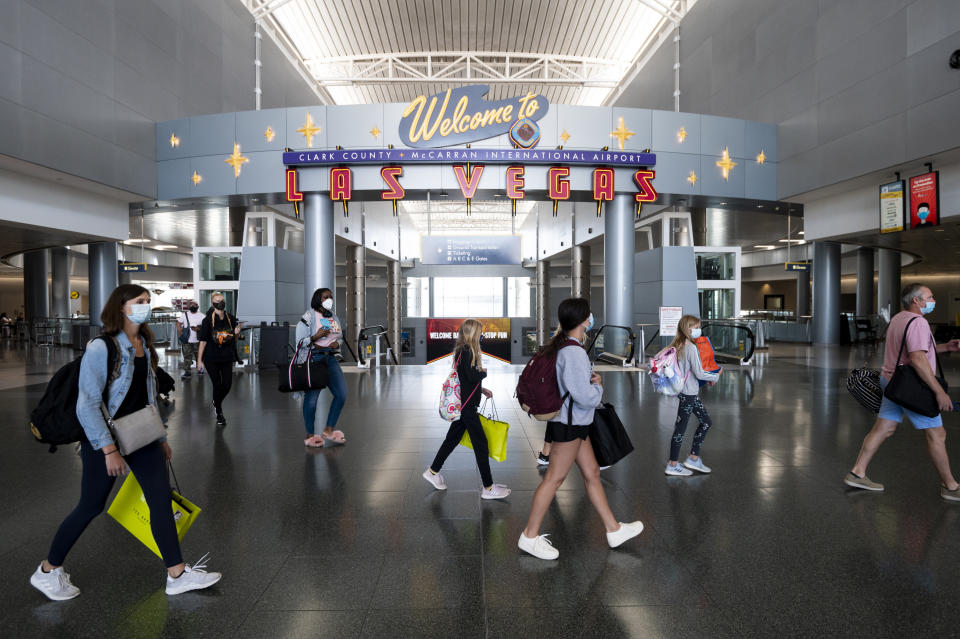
615, 345
733, 342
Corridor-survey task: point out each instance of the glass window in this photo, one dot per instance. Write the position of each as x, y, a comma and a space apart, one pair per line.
716, 266
219, 267
518, 296
468, 297
418, 296
717, 303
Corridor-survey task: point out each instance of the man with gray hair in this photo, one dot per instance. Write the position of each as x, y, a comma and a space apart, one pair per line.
910, 341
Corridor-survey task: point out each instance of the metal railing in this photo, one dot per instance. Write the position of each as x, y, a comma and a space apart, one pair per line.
613, 344
377, 331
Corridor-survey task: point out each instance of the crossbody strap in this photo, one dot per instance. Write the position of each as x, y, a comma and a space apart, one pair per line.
903, 342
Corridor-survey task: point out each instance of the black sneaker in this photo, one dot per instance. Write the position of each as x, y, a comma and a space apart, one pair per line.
221, 420
543, 460
185, 375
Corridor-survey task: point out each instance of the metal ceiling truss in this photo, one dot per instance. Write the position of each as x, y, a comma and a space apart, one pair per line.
457, 67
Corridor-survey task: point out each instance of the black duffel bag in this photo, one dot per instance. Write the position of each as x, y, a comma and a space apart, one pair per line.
308, 375
908, 390
608, 436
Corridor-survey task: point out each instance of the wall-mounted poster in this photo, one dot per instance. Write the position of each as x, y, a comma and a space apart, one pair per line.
669, 319
925, 200
891, 207
442, 336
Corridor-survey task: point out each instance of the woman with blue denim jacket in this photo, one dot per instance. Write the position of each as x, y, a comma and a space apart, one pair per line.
320, 330
124, 320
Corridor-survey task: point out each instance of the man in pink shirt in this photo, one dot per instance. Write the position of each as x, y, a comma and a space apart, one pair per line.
920, 351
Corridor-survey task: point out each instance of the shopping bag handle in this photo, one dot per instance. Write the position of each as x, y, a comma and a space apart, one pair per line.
175, 482
493, 414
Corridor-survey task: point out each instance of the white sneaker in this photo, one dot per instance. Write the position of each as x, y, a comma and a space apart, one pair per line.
193, 578
625, 533
696, 464
677, 470
54, 584
497, 491
436, 480
540, 547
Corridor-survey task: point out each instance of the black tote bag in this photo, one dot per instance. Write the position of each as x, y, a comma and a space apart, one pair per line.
908, 390
309, 375
608, 436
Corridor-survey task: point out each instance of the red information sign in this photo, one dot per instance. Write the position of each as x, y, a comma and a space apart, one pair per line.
925, 200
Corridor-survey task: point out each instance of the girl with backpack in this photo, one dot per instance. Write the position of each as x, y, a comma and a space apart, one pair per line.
466, 359
690, 368
582, 391
124, 320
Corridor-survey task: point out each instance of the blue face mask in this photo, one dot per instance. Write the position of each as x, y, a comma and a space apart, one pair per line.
590, 322
928, 307
139, 313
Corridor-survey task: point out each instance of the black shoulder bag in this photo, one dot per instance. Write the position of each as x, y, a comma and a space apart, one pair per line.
907, 389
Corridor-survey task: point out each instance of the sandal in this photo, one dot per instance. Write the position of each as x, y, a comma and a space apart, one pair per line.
336, 439
313, 442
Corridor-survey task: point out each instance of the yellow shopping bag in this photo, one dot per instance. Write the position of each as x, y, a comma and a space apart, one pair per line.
496, 432
130, 510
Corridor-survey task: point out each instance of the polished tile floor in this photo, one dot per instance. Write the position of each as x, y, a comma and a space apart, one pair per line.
351, 542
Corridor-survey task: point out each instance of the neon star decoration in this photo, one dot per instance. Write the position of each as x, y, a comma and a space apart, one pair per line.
375, 132
269, 134
308, 130
564, 136
236, 160
196, 178
681, 135
174, 141
692, 178
761, 158
621, 133
725, 163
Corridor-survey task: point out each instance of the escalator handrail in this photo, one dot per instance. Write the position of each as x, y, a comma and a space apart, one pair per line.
630, 333
748, 355
362, 337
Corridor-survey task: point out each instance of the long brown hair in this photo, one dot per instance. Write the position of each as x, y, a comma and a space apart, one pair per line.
469, 339
112, 317
686, 323
572, 312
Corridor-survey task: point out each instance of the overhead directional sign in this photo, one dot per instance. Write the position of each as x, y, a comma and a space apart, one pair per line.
133, 267
797, 266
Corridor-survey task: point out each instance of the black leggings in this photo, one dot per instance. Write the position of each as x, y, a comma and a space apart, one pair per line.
470, 422
150, 468
221, 376
689, 404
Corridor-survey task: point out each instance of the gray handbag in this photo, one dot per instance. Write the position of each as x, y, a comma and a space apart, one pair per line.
134, 431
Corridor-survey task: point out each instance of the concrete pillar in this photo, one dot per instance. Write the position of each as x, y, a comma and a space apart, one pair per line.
864, 282
103, 276
356, 292
60, 282
543, 302
394, 301
826, 293
618, 250
580, 272
803, 293
319, 242
36, 286
888, 281
236, 216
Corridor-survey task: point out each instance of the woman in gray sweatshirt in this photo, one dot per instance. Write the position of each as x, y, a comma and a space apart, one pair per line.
691, 369
582, 391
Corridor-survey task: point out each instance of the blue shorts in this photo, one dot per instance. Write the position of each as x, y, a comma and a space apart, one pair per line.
895, 412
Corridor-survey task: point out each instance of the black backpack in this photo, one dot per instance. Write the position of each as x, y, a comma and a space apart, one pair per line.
54, 420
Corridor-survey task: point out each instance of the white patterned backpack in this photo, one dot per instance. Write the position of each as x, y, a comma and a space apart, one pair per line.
450, 404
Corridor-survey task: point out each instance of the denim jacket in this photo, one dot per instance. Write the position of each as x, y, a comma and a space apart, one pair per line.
93, 379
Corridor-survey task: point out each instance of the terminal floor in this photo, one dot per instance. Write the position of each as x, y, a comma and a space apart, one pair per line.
351, 542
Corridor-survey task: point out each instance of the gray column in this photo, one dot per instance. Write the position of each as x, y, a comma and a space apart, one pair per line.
236, 216
543, 301
888, 281
102, 274
60, 265
826, 293
319, 242
618, 250
356, 292
803, 293
394, 301
864, 282
580, 272
36, 286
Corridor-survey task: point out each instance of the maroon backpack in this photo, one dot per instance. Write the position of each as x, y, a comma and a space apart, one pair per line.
537, 389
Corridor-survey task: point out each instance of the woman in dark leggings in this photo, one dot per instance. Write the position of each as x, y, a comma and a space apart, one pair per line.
124, 320
218, 354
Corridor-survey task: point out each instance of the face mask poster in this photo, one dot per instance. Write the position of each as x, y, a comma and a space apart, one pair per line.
925, 200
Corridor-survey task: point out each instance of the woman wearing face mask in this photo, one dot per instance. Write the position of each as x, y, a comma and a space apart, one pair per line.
690, 368
320, 328
191, 318
570, 433
124, 319
218, 333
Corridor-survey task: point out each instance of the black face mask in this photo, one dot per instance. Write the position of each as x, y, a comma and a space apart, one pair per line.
219, 305
194, 309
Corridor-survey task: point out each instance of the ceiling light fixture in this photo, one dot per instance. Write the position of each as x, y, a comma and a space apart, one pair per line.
765, 246
135, 241
792, 241
164, 246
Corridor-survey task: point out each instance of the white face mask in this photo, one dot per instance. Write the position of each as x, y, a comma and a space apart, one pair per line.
139, 313
696, 333
327, 303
